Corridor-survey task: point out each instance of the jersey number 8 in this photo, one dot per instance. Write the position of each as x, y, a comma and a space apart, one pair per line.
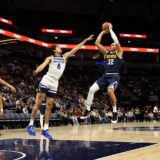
59, 66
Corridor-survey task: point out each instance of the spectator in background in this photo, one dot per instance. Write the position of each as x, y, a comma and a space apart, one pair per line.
19, 107
71, 115
102, 116
78, 113
150, 116
110, 115
95, 117
130, 115
8, 86
137, 114
63, 115
155, 113
25, 109
121, 117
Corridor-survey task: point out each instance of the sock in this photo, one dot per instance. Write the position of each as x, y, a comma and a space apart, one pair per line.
31, 122
41, 120
90, 96
114, 108
1, 110
46, 126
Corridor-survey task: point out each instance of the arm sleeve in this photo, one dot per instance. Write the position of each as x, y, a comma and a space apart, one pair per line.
113, 35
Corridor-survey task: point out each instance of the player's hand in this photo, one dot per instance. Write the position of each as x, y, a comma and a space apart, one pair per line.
89, 38
96, 56
105, 31
35, 73
110, 26
12, 88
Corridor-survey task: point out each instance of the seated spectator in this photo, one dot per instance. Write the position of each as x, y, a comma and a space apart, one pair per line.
18, 107
121, 117
130, 116
102, 115
25, 109
63, 115
155, 113
110, 115
137, 114
150, 116
71, 115
95, 117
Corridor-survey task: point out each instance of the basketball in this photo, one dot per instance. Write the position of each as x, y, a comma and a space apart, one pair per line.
105, 26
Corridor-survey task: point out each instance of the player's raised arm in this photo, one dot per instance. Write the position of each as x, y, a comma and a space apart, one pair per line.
12, 88
77, 47
115, 40
100, 47
42, 66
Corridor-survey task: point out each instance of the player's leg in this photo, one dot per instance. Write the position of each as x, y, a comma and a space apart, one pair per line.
1, 105
41, 120
49, 104
111, 93
93, 89
39, 98
50, 96
42, 112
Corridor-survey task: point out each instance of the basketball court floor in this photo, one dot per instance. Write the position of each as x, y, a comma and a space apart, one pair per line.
122, 141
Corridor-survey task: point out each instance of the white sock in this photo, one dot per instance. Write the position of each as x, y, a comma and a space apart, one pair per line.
90, 96
41, 120
41, 145
47, 147
114, 108
31, 122
46, 126
1, 110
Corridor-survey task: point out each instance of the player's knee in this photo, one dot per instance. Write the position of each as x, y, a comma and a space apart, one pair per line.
37, 104
92, 89
49, 104
39, 100
110, 91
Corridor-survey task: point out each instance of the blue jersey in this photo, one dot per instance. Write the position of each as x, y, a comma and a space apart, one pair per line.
112, 63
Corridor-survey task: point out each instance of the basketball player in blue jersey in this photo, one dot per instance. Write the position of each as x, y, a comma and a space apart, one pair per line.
110, 79
49, 84
8, 86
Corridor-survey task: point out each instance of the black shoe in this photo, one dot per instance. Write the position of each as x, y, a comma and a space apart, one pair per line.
114, 118
86, 114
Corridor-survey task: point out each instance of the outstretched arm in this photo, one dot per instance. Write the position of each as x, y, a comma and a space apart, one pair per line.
8, 85
100, 47
42, 66
115, 40
77, 47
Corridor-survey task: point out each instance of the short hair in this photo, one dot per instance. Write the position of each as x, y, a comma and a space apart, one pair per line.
53, 47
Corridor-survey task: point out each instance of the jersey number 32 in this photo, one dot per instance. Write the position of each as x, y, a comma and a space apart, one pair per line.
110, 61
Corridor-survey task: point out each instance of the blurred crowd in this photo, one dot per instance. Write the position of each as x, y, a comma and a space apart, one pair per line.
138, 98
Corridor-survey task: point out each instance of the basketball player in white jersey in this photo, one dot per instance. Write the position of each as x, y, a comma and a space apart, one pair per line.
49, 84
11, 88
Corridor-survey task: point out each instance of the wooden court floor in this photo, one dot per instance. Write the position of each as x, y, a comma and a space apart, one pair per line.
105, 132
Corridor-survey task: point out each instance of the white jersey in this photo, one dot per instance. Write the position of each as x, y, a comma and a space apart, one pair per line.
155, 109
56, 67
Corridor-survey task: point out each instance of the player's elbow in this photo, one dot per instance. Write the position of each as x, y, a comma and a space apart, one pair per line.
96, 43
